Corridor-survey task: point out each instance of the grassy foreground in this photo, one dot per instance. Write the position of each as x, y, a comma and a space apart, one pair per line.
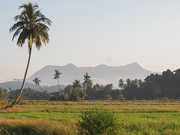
153, 118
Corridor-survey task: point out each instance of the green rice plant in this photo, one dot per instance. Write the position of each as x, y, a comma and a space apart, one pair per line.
82, 108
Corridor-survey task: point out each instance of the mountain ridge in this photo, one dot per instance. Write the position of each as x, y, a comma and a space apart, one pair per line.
102, 73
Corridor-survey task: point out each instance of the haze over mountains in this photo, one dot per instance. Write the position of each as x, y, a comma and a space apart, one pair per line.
13, 85
101, 74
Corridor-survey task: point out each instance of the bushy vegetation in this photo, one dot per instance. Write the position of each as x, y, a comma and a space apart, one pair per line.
98, 121
155, 86
30, 94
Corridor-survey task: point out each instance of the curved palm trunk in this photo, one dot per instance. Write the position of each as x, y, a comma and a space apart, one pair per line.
24, 80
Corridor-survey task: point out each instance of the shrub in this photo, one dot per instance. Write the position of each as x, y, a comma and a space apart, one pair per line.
121, 97
98, 122
64, 97
74, 97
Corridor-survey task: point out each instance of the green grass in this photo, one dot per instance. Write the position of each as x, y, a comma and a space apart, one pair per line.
129, 123
150, 123
137, 119
53, 116
125, 117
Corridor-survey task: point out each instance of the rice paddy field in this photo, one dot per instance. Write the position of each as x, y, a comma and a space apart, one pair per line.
60, 118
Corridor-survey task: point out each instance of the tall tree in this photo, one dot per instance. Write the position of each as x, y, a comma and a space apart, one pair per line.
76, 91
57, 76
129, 82
87, 82
76, 86
30, 25
121, 83
37, 83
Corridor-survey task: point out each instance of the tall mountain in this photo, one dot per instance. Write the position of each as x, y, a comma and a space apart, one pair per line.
101, 74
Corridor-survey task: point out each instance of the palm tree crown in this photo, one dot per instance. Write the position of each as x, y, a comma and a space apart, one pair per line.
31, 25
87, 81
57, 74
36, 81
76, 84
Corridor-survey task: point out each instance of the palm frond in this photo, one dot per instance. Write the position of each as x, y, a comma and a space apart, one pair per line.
38, 42
17, 25
44, 20
36, 14
42, 32
17, 32
22, 37
43, 26
20, 18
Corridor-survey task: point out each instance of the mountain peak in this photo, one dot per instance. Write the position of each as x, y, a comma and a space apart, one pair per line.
101, 65
134, 64
102, 74
70, 65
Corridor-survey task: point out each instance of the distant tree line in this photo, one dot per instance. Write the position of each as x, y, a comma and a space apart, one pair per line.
154, 86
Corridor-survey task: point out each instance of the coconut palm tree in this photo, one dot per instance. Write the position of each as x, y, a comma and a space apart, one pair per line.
76, 85
57, 76
87, 82
30, 25
121, 83
37, 83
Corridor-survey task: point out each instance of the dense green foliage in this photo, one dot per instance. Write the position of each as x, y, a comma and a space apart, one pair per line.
98, 122
30, 94
156, 86
3, 94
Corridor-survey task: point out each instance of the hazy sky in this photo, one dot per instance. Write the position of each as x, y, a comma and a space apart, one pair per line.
92, 32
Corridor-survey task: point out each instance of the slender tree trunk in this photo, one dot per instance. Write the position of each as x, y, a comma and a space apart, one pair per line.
59, 88
41, 88
85, 88
58, 84
43, 91
24, 80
